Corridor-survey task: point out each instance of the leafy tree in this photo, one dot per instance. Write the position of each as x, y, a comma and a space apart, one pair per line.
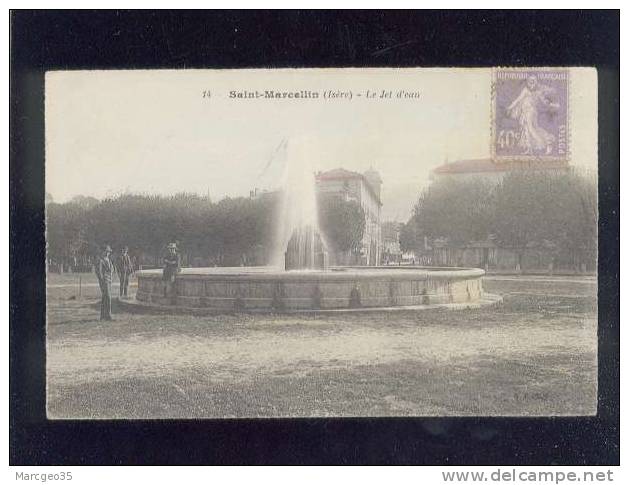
556, 212
342, 223
410, 239
222, 232
66, 232
453, 210
519, 217
84, 201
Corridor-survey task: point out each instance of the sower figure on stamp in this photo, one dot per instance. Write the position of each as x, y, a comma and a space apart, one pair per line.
104, 269
534, 98
124, 266
171, 268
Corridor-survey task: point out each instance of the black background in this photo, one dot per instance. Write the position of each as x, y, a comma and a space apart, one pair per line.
43, 40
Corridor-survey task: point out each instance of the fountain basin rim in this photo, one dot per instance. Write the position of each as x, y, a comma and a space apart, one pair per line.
341, 273
487, 300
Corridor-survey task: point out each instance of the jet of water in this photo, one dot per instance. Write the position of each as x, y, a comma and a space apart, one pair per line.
297, 212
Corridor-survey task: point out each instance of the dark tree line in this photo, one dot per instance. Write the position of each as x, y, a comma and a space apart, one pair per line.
230, 232
556, 212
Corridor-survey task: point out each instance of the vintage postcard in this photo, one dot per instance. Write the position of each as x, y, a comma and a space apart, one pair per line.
271, 243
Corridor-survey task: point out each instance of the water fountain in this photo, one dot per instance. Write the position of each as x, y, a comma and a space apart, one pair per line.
299, 279
305, 250
298, 243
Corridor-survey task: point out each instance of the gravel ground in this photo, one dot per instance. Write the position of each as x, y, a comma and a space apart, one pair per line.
534, 355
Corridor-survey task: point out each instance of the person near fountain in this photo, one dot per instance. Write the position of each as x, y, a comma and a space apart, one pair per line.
124, 266
104, 270
171, 268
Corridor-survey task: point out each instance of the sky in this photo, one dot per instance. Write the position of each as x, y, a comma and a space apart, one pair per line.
138, 131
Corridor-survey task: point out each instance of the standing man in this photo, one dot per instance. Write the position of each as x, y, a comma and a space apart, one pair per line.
124, 266
171, 268
104, 270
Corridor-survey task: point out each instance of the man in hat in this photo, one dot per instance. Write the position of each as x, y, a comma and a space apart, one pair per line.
171, 268
104, 270
124, 266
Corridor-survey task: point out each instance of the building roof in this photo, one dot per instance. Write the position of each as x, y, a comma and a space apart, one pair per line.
343, 174
487, 165
339, 174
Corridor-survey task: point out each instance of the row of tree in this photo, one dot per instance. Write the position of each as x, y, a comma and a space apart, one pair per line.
232, 231
556, 212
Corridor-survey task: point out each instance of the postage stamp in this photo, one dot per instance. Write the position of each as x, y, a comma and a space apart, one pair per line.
530, 114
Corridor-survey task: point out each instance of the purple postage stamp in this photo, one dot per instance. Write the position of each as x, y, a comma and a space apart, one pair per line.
530, 114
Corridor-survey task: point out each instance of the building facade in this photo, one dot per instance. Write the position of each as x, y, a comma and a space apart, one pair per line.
365, 189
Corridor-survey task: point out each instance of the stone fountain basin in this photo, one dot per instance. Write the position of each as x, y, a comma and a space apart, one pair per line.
273, 289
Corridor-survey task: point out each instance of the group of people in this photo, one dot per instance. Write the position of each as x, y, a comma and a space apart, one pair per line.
123, 265
105, 269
